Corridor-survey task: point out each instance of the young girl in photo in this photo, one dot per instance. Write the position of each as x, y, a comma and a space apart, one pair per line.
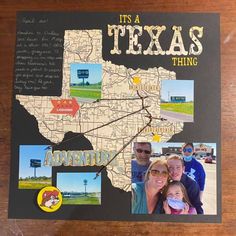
176, 200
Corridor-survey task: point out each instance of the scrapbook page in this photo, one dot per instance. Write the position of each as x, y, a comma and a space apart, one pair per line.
116, 116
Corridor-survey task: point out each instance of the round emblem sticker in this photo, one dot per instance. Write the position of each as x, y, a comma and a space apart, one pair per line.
49, 199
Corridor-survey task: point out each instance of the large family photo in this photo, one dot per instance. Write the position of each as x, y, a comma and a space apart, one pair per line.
170, 178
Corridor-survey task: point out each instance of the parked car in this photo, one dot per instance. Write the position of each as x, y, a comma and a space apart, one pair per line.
167, 154
208, 159
198, 157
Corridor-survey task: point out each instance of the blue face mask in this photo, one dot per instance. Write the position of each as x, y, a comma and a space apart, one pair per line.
187, 158
175, 203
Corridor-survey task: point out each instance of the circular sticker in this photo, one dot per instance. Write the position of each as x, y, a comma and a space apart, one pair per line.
49, 199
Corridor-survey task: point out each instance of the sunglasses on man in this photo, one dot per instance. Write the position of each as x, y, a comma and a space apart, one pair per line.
141, 151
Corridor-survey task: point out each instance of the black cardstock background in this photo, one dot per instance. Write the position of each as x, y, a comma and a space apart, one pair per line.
206, 127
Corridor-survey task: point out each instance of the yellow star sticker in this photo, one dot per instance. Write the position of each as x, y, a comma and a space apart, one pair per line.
136, 80
156, 138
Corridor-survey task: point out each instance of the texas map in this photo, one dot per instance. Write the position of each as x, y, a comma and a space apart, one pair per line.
128, 108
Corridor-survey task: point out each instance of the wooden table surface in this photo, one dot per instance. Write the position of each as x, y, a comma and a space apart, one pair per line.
227, 9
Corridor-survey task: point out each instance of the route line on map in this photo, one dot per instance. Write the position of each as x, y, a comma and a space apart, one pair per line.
121, 149
159, 118
118, 99
142, 98
136, 135
132, 113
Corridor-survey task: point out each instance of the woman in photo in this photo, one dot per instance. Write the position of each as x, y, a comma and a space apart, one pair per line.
147, 196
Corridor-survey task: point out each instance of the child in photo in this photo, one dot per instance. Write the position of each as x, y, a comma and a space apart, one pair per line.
176, 200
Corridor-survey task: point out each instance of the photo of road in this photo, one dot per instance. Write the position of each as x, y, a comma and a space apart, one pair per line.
176, 117
177, 100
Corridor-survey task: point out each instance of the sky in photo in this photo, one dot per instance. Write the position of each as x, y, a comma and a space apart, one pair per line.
95, 72
157, 147
27, 152
74, 181
177, 88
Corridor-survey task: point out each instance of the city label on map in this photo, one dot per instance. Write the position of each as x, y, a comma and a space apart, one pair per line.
65, 106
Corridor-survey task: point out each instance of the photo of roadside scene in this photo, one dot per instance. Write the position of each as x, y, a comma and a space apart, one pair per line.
79, 188
178, 178
177, 100
85, 81
32, 173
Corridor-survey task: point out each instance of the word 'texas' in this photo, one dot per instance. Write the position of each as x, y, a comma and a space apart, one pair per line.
154, 48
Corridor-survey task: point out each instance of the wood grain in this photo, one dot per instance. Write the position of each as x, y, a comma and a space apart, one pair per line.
227, 9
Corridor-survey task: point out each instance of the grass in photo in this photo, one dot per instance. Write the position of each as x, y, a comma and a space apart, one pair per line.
185, 108
86, 81
79, 188
177, 100
32, 173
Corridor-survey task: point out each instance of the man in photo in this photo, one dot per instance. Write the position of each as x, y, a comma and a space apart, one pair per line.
193, 168
176, 170
139, 165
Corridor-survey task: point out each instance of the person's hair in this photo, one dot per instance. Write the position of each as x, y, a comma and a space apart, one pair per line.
187, 144
183, 189
143, 143
157, 162
175, 157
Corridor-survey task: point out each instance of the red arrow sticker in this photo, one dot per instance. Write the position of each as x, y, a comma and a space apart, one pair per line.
65, 106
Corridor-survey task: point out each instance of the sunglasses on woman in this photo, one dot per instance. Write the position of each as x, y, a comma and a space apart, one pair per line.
159, 173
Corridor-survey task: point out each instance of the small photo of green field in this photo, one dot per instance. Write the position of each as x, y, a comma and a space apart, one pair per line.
85, 81
32, 172
79, 188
